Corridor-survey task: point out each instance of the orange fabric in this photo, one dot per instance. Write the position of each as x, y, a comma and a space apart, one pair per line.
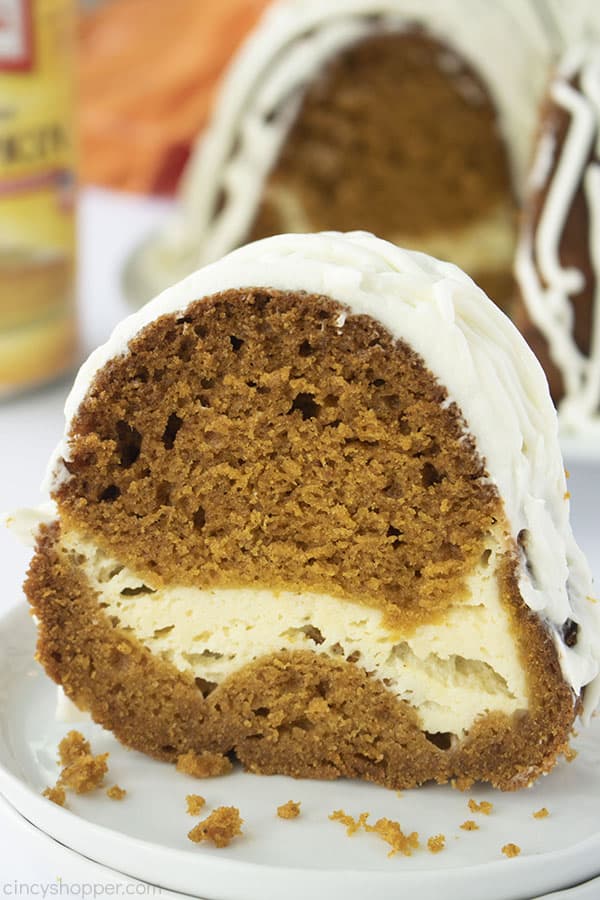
148, 73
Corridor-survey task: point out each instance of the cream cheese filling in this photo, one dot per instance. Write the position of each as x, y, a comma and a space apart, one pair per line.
451, 672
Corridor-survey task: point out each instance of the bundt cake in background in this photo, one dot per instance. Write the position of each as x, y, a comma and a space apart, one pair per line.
402, 118
558, 257
414, 120
311, 510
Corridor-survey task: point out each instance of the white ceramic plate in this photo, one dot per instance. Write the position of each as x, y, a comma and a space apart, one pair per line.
79, 867
145, 835
590, 890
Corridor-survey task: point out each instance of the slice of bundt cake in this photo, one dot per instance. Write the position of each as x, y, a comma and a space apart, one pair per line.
397, 116
558, 258
311, 510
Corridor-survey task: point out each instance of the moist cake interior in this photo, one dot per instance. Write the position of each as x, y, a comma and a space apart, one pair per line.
277, 539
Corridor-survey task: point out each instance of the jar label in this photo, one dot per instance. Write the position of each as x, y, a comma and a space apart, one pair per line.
37, 190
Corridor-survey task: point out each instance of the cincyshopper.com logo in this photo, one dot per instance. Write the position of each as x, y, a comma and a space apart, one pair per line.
80, 889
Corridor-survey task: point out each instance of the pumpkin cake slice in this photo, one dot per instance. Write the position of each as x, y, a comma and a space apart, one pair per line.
311, 511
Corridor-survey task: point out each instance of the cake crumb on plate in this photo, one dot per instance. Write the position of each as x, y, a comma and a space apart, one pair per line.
85, 774
56, 794
470, 825
289, 810
72, 747
116, 793
436, 843
194, 804
484, 807
388, 830
391, 832
220, 827
541, 813
352, 825
511, 850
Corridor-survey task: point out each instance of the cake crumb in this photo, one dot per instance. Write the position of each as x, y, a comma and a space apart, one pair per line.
116, 793
511, 850
352, 825
203, 765
484, 807
289, 810
72, 747
220, 828
436, 843
462, 783
56, 794
541, 813
570, 754
469, 825
399, 794
388, 830
85, 774
391, 832
194, 804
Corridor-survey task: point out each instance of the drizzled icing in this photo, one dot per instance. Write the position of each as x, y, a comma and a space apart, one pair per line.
546, 286
474, 351
262, 92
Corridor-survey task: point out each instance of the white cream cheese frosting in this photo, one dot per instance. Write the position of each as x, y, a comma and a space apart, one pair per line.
263, 89
473, 350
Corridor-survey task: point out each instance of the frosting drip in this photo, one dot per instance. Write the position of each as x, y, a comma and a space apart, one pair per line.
546, 285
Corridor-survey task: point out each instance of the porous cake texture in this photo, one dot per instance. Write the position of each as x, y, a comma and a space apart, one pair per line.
311, 511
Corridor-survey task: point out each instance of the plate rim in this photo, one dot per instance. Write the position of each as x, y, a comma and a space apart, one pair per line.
6, 808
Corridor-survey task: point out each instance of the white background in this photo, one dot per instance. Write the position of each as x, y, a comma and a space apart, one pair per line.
30, 426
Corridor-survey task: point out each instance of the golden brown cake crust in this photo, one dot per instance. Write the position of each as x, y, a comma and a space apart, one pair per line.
295, 713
